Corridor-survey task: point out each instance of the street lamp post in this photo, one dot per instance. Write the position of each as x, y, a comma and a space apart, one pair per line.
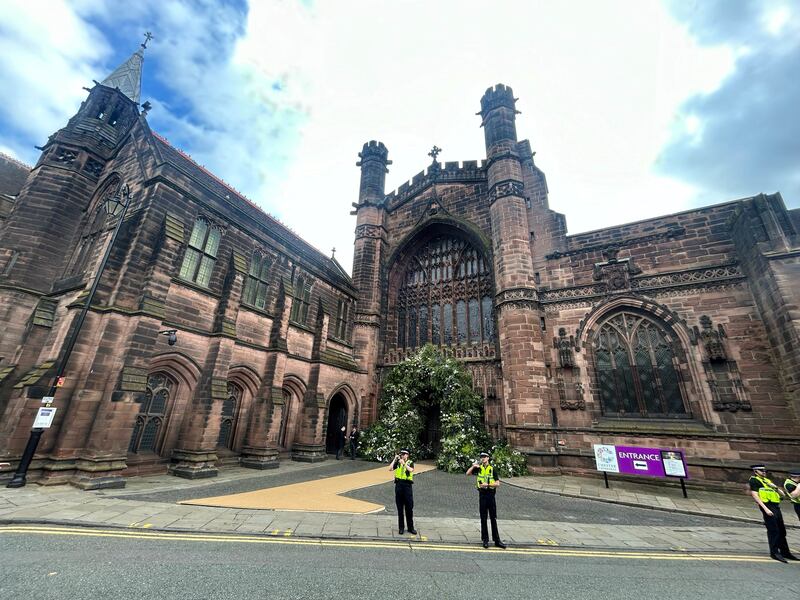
115, 205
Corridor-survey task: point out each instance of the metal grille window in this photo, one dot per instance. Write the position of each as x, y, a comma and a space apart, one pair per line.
201, 254
230, 409
149, 427
635, 371
445, 297
255, 290
302, 300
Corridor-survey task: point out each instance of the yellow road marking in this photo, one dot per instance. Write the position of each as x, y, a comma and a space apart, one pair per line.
242, 539
319, 495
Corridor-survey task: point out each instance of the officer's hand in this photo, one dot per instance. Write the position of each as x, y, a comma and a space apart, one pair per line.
768, 512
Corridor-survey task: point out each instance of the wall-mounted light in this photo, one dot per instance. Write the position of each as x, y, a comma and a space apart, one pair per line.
172, 336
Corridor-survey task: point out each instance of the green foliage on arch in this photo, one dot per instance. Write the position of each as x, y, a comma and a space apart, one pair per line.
423, 380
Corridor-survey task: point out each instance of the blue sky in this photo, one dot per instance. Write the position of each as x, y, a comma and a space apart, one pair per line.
636, 108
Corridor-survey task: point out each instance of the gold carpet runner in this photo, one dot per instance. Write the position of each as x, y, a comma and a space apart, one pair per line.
320, 495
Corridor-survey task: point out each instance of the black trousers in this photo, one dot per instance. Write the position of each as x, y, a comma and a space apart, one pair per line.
796, 509
776, 531
404, 499
353, 445
488, 508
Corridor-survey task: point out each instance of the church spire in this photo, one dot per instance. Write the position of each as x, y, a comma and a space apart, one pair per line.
128, 76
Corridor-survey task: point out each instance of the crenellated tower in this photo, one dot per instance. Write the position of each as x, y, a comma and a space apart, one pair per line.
519, 315
368, 255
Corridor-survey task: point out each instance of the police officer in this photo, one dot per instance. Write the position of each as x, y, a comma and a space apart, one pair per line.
487, 483
792, 487
403, 492
768, 498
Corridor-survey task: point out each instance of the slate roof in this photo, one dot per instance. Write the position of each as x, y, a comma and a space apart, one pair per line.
274, 227
12, 175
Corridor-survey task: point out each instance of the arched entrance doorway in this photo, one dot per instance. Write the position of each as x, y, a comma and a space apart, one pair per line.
337, 418
431, 437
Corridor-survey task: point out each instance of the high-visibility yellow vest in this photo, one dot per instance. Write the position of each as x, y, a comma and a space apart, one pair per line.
789, 483
485, 475
767, 492
401, 474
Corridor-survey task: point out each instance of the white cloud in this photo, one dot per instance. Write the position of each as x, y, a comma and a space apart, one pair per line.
280, 104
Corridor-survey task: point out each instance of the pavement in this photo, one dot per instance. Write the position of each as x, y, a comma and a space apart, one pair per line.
627, 516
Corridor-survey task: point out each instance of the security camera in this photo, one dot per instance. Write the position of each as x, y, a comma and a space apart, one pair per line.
172, 336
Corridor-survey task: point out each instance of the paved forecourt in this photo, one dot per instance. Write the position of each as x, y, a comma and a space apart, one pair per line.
446, 512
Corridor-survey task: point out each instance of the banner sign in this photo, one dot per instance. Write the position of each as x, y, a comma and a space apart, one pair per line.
633, 460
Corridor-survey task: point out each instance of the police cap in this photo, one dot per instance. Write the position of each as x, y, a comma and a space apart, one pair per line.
484, 454
759, 467
404, 451
794, 473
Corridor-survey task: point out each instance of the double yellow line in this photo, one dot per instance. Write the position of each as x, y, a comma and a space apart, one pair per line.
412, 545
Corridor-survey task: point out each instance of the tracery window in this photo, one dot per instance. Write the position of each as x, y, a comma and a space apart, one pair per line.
342, 309
446, 296
94, 230
149, 427
255, 290
230, 408
302, 300
635, 371
201, 254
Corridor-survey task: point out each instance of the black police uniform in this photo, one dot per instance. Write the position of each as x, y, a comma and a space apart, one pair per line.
488, 505
404, 496
776, 530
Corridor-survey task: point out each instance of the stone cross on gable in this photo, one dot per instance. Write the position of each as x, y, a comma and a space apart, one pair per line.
147, 37
333, 252
434, 152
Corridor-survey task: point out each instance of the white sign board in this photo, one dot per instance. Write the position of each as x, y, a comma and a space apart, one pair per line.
44, 418
673, 464
606, 458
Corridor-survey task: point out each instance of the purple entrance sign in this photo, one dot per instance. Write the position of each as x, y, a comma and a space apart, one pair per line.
634, 460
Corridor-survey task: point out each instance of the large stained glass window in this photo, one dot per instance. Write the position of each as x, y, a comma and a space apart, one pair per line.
446, 296
636, 376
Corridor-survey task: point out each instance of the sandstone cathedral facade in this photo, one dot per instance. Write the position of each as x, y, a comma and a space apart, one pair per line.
678, 331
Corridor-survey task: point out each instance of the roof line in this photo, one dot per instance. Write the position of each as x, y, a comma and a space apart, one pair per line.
233, 190
16, 161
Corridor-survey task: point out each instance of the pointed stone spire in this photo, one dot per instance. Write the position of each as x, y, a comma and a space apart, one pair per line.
128, 76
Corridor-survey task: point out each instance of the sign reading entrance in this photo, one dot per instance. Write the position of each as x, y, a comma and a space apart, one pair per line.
633, 460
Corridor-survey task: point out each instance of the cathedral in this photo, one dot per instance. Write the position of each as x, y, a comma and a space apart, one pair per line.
215, 336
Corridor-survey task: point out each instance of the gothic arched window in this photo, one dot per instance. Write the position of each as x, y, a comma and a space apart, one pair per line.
635, 371
255, 290
230, 408
445, 296
301, 301
201, 253
149, 428
96, 224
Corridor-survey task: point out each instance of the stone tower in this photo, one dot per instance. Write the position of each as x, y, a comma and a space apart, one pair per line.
368, 256
519, 314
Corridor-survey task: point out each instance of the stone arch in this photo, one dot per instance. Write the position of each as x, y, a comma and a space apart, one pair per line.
676, 335
293, 389
187, 374
340, 409
351, 400
249, 381
462, 299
